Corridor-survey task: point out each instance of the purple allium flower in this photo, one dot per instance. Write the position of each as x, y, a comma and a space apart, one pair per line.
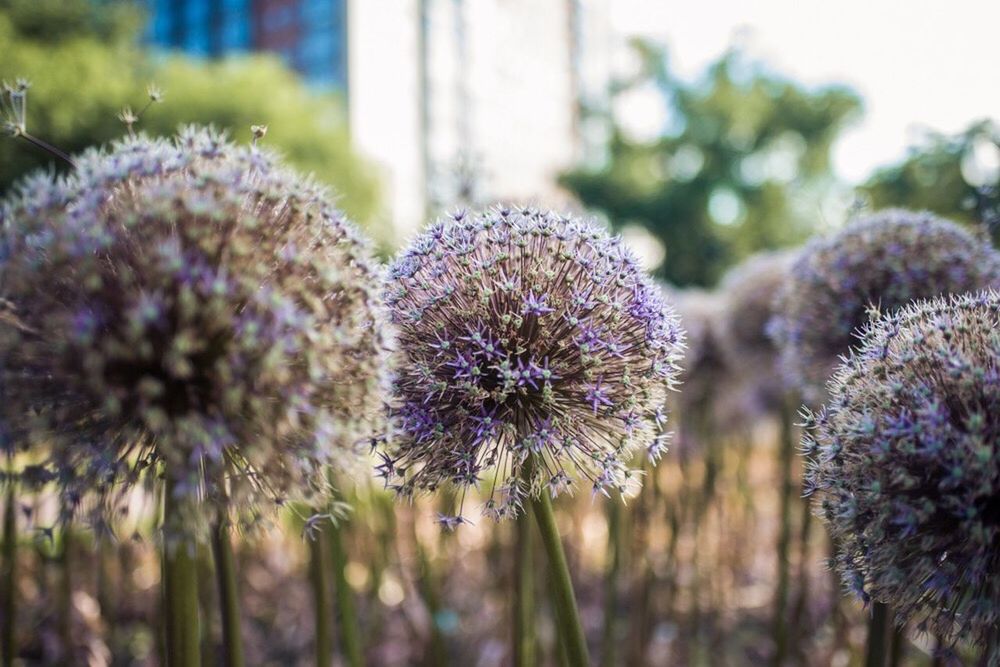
525, 335
886, 259
190, 305
748, 295
905, 462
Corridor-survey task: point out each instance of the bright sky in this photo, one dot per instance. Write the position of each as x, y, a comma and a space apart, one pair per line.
918, 64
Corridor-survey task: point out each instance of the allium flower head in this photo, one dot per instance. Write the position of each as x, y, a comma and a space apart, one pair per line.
190, 304
906, 461
748, 293
703, 362
525, 336
887, 260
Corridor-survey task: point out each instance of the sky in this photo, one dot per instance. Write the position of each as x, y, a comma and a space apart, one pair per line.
918, 64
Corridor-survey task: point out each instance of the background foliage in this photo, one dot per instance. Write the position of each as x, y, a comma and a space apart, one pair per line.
85, 63
744, 141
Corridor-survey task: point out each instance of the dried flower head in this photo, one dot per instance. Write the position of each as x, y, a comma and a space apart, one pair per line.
906, 461
887, 260
192, 305
532, 345
748, 293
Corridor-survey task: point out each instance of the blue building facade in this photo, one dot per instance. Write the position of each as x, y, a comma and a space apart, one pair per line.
310, 35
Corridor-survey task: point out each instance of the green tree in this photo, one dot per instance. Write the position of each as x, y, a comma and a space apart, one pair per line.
744, 169
85, 64
955, 176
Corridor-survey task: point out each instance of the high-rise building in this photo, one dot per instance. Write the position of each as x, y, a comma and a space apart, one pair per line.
311, 35
476, 100
453, 101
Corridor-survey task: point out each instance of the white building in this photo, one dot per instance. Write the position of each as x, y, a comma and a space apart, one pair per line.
455, 100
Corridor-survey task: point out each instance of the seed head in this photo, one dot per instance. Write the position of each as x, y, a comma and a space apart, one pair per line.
887, 260
190, 305
532, 346
905, 463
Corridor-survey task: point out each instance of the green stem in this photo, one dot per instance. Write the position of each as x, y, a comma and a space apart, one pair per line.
897, 649
786, 453
991, 653
350, 632
524, 601
66, 594
180, 571
562, 584
9, 577
321, 607
611, 584
229, 604
206, 604
429, 587
878, 634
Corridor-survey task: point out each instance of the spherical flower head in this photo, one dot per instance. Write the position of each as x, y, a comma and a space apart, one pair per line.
749, 290
532, 346
190, 306
887, 260
703, 363
905, 459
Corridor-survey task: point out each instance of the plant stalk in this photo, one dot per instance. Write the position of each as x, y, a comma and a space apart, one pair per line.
229, 604
322, 614
66, 594
524, 602
608, 658
878, 636
562, 583
786, 453
9, 577
350, 632
180, 572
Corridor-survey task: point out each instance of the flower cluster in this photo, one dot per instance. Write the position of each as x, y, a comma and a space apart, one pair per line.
532, 345
749, 292
886, 259
906, 461
189, 306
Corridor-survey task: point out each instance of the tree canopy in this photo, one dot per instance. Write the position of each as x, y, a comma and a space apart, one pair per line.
957, 176
85, 62
741, 166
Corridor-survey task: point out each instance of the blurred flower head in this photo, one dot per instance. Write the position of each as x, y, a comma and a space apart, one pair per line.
532, 347
749, 292
905, 459
703, 364
886, 259
190, 305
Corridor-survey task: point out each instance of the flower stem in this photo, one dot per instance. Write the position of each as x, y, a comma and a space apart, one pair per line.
524, 601
786, 453
897, 649
350, 632
878, 634
9, 577
562, 584
991, 653
183, 642
611, 584
66, 594
321, 607
229, 604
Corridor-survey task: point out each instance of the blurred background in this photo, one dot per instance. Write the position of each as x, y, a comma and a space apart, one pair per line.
704, 132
